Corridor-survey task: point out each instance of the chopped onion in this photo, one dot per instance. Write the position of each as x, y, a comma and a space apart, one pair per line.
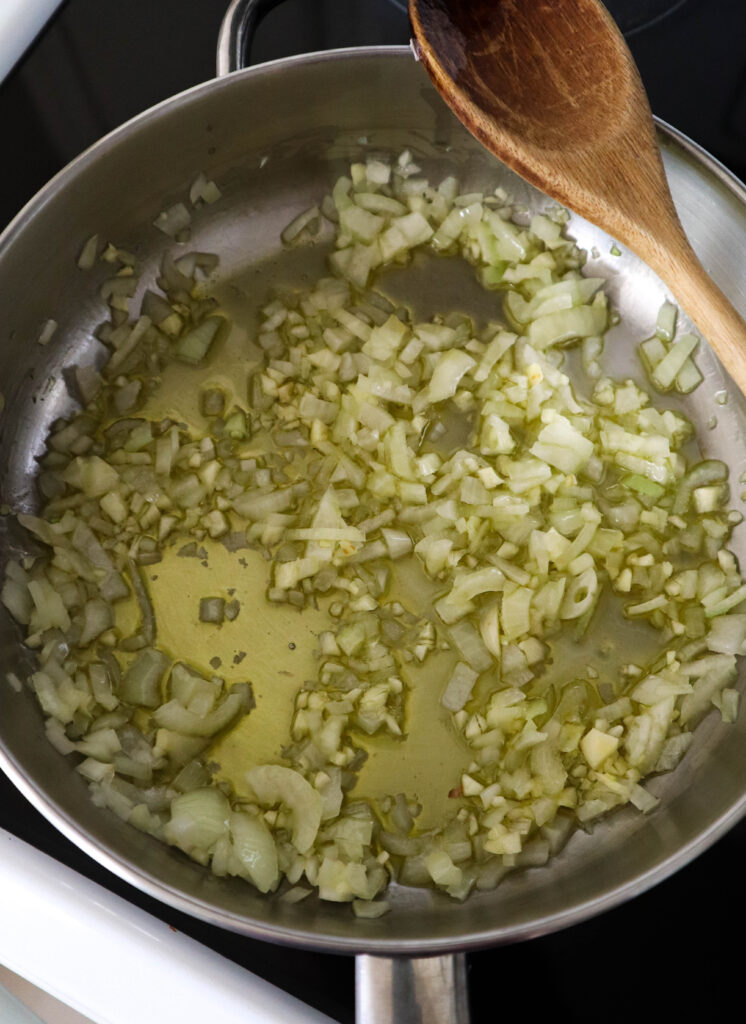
293, 232
460, 685
47, 332
173, 220
203, 190
141, 683
275, 784
372, 445
88, 254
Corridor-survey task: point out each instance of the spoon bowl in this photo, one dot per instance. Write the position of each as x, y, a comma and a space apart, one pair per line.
551, 89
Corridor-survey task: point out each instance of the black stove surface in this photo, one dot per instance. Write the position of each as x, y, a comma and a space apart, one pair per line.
670, 953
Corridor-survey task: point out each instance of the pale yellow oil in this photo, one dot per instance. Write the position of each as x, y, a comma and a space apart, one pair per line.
274, 646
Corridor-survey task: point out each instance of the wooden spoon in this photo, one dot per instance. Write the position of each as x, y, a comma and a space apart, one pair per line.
550, 87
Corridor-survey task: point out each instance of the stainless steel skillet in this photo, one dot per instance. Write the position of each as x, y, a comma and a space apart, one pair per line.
309, 115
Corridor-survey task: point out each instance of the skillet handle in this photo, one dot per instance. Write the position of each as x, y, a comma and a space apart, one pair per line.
426, 990
239, 24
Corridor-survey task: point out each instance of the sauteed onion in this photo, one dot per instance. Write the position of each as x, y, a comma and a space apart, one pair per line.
524, 498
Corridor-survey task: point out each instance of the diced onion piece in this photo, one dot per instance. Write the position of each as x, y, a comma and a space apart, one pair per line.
198, 820
193, 346
141, 683
665, 372
370, 909
274, 784
562, 446
665, 324
88, 254
688, 378
460, 685
597, 746
212, 609
292, 233
203, 190
446, 376
727, 634
173, 715
442, 870
580, 595
173, 220
47, 332
254, 854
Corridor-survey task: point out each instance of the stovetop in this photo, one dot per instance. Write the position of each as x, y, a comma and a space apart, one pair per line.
669, 953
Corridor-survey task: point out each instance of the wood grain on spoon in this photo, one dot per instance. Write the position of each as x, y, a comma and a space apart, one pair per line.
550, 87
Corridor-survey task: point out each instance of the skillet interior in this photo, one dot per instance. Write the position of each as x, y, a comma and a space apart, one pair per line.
309, 116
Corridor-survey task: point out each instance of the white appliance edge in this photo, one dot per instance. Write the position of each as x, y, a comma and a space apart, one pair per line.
113, 962
20, 23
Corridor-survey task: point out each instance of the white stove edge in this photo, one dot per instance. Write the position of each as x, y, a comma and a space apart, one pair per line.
113, 962
20, 23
